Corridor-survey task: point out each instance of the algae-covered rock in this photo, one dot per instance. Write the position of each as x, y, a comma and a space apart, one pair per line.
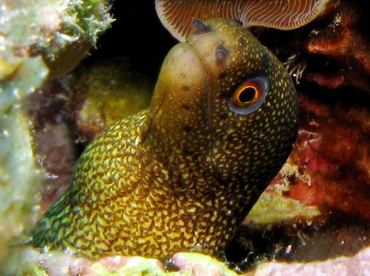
273, 206
54, 263
62, 31
107, 92
38, 40
18, 173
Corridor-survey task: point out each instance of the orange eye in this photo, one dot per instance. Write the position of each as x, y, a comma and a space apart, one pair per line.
245, 95
249, 96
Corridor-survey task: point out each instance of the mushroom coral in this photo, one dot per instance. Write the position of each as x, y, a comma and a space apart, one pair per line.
177, 16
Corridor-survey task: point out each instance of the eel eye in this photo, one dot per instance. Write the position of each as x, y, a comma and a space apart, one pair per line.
249, 95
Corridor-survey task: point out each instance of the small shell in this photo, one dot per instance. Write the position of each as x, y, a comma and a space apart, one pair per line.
177, 16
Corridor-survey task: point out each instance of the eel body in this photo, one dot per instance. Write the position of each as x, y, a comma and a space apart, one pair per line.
183, 174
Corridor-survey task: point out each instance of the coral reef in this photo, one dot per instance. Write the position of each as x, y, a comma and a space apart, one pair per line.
343, 45
333, 49
54, 141
56, 264
38, 40
18, 172
62, 32
343, 266
333, 151
185, 264
319, 203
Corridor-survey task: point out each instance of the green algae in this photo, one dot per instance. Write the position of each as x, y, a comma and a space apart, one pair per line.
273, 208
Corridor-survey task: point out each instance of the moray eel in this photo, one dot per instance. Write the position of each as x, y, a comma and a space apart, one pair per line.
183, 174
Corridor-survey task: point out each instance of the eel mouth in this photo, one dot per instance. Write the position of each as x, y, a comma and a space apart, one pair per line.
202, 29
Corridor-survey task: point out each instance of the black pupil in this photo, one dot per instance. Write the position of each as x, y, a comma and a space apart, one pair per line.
247, 95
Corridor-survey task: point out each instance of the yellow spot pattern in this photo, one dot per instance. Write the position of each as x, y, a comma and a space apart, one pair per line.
183, 174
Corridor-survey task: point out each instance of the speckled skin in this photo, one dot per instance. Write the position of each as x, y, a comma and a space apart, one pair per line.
183, 174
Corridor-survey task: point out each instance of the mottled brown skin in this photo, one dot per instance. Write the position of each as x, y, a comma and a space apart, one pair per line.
183, 174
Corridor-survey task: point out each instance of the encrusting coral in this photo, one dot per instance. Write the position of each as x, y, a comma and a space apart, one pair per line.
38, 40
